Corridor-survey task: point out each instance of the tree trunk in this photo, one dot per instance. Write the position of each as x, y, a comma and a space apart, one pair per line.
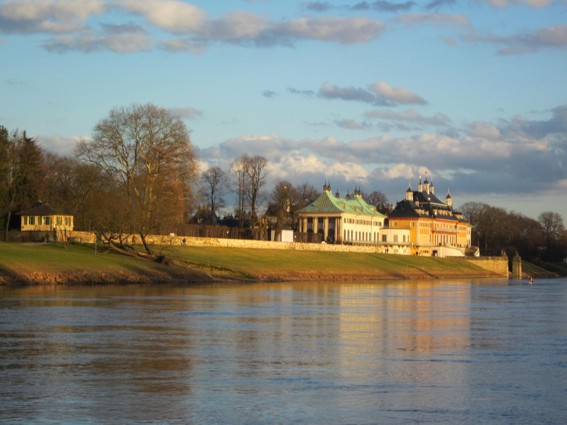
7, 227
145, 243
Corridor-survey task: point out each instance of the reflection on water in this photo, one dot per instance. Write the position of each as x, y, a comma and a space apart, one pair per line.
302, 353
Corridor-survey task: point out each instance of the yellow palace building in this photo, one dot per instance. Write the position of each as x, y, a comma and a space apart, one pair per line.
435, 227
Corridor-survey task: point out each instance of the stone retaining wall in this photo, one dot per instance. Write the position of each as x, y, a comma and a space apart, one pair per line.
494, 264
88, 237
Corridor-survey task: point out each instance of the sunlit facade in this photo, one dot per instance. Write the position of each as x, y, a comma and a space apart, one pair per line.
45, 219
435, 227
342, 220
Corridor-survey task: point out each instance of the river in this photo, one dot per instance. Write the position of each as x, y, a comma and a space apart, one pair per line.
404, 352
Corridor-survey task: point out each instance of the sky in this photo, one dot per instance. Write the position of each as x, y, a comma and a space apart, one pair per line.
357, 94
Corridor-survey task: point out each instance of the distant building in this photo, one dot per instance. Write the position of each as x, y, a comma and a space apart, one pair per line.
435, 227
342, 220
45, 219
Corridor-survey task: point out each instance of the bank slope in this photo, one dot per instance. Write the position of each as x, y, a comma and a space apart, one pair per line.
275, 265
56, 264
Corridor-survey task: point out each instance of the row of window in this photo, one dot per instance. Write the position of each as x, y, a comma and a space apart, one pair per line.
361, 222
41, 221
353, 236
321, 221
445, 239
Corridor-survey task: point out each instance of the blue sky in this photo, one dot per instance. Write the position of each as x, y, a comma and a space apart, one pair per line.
370, 94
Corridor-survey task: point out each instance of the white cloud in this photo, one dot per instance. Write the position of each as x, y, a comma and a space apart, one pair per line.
380, 93
184, 45
237, 26
89, 42
350, 171
533, 3
383, 6
517, 156
186, 113
395, 94
396, 171
353, 125
241, 27
552, 37
125, 43
435, 19
408, 116
196, 31
293, 163
52, 16
172, 15
343, 30
484, 130
60, 144
331, 91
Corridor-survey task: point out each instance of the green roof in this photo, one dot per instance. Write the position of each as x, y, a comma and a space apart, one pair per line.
327, 203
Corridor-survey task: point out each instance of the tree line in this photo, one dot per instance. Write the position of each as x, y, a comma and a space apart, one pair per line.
138, 174
496, 229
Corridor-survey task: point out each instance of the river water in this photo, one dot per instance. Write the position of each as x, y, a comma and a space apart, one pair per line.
443, 352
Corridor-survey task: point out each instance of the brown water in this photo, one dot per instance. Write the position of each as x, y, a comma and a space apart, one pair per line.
304, 353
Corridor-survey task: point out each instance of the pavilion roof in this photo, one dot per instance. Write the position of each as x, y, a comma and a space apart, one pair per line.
327, 203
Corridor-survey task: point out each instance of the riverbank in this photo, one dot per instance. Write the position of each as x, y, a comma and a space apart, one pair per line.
46, 263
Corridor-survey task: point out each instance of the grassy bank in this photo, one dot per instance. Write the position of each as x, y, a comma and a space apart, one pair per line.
543, 269
301, 265
51, 263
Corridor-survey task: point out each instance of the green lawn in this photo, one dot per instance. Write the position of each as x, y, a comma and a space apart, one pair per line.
189, 263
273, 263
79, 262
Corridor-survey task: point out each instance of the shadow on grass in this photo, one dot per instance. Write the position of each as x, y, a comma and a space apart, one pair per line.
154, 272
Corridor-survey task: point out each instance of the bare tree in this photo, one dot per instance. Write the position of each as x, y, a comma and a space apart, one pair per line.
527, 235
491, 227
250, 173
238, 169
285, 201
148, 155
256, 174
554, 234
552, 224
379, 200
80, 189
307, 194
214, 183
